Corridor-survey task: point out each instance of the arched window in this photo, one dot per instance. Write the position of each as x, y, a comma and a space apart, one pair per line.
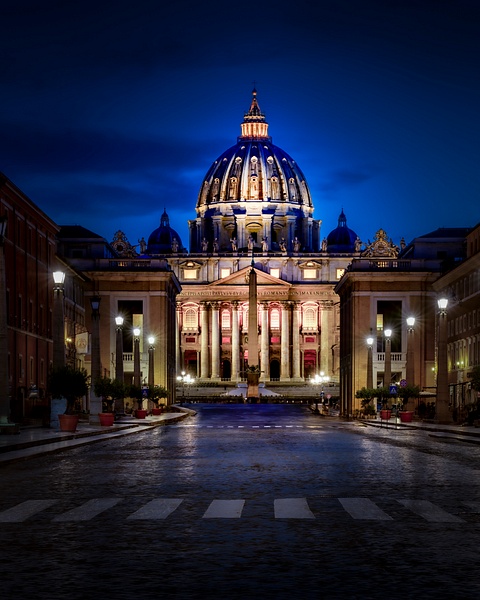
309, 318
190, 318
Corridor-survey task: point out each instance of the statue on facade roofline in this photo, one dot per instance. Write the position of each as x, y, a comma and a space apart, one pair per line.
381, 247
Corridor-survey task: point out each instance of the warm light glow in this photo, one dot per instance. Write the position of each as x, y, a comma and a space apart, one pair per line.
119, 321
136, 332
58, 277
370, 341
442, 303
151, 340
410, 321
388, 333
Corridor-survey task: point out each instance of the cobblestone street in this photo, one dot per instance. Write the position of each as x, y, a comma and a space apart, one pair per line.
263, 501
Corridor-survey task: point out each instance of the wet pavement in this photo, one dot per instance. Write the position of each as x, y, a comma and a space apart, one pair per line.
260, 502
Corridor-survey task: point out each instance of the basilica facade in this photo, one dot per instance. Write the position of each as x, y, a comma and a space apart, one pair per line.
254, 208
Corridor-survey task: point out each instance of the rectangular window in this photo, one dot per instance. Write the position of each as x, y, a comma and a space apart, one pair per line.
275, 273
340, 273
310, 273
224, 273
190, 274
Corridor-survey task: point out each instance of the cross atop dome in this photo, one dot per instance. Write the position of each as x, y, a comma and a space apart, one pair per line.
254, 126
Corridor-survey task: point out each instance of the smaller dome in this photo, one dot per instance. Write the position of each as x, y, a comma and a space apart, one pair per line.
164, 240
342, 238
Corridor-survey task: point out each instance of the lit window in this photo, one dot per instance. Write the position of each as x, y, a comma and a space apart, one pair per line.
340, 273
309, 320
226, 324
275, 319
224, 273
190, 274
310, 273
190, 318
275, 273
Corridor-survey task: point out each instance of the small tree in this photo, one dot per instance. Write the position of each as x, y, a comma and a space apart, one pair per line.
366, 395
156, 393
407, 392
110, 390
69, 383
136, 392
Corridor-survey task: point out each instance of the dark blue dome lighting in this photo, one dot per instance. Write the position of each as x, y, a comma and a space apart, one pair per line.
164, 240
341, 239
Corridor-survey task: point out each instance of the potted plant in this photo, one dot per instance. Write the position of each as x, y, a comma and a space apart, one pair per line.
110, 391
405, 393
384, 394
136, 392
71, 384
366, 396
155, 394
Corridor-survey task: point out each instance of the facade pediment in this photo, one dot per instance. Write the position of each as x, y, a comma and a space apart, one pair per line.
241, 278
310, 264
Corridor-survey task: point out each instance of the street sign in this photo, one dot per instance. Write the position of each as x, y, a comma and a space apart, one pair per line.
393, 389
403, 383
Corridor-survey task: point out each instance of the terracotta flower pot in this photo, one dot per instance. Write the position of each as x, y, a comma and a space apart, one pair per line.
385, 414
406, 416
140, 413
156, 411
68, 422
106, 419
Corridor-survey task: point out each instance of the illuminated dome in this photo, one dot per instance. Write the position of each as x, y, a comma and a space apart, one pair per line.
164, 240
341, 239
254, 189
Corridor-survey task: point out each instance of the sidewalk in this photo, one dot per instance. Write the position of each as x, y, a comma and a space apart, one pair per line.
35, 441
466, 433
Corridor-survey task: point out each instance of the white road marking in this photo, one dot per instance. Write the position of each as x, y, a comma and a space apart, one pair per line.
429, 511
364, 509
160, 508
88, 510
224, 509
292, 508
23, 511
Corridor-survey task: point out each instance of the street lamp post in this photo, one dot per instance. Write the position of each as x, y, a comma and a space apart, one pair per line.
119, 375
319, 380
388, 358
96, 365
410, 370
136, 357
184, 378
58, 319
151, 360
370, 363
442, 411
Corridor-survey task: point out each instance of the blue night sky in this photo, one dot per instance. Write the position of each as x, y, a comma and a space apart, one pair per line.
112, 111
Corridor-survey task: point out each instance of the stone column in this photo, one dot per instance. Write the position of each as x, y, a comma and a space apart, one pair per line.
324, 362
235, 343
178, 341
285, 343
215, 341
264, 345
204, 341
296, 342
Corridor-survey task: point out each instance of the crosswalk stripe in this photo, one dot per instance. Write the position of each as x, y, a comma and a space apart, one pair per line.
23, 511
88, 510
160, 508
224, 509
430, 511
292, 508
364, 509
